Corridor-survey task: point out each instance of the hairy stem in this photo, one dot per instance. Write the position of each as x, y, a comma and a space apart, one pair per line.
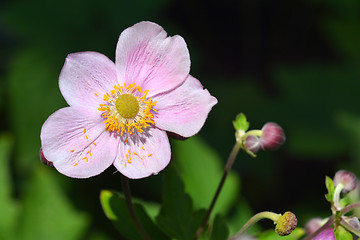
229, 163
126, 189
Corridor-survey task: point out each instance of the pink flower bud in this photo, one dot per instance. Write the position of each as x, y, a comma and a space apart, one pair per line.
312, 225
252, 143
44, 160
272, 137
348, 179
353, 221
327, 234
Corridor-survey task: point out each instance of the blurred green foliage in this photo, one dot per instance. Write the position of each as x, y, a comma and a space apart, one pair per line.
294, 63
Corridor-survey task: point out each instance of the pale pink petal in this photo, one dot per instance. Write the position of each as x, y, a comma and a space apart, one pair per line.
86, 77
184, 110
147, 57
75, 141
143, 155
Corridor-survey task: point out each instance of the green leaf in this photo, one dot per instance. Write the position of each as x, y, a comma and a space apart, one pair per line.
272, 235
177, 217
240, 122
331, 188
220, 229
342, 234
115, 208
34, 71
201, 170
9, 210
47, 213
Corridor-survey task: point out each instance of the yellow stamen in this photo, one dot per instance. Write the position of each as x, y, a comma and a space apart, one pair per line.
127, 109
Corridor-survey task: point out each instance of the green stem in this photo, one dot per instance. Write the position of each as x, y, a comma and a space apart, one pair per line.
257, 133
229, 163
126, 189
254, 219
337, 192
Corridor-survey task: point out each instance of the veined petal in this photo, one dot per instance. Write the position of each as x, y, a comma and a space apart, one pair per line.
184, 110
86, 77
143, 155
147, 57
75, 141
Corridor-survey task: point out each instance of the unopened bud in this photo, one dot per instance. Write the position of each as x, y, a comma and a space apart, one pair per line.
312, 225
354, 222
272, 136
327, 234
286, 224
252, 143
44, 160
348, 179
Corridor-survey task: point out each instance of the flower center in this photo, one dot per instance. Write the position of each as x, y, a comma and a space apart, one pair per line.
126, 109
127, 105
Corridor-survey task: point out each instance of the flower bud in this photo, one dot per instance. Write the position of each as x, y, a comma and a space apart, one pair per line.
252, 143
286, 224
353, 222
348, 179
312, 225
44, 160
327, 234
272, 136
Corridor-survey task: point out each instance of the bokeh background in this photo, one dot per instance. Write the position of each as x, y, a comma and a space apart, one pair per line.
293, 62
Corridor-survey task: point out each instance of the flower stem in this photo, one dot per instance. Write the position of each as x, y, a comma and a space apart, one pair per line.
229, 163
337, 192
327, 225
126, 189
254, 219
350, 208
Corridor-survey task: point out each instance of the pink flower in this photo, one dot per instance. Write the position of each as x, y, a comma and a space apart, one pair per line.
119, 112
327, 234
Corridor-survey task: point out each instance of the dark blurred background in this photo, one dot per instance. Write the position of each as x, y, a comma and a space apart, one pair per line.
293, 62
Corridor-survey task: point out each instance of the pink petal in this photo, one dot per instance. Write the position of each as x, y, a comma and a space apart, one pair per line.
148, 155
86, 77
147, 57
75, 141
184, 110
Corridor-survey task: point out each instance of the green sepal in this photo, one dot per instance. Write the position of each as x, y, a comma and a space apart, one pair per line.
240, 122
342, 234
115, 208
345, 201
331, 189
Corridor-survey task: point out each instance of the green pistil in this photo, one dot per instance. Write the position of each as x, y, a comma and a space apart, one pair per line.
127, 105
